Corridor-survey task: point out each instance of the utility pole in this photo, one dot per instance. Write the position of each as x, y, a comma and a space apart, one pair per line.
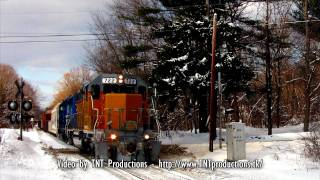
213, 98
308, 75
268, 72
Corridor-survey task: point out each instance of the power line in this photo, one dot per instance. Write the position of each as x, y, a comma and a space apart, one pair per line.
52, 35
47, 41
64, 40
292, 22
41, 33
49, 12
35, 35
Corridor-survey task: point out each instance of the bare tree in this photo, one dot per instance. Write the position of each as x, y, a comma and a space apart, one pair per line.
122, 30
8, 90
308, 72
281, 50
71, 83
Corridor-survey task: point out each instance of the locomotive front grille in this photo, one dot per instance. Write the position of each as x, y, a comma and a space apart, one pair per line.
131, 147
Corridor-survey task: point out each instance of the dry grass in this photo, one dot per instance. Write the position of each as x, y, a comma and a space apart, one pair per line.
312, 143
55, 152
173, 149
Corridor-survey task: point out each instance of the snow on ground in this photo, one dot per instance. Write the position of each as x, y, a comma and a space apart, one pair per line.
28, 159
252, 134
50, 141
282, 154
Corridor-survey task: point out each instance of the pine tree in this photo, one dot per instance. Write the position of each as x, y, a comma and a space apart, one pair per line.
313, 13
185, 56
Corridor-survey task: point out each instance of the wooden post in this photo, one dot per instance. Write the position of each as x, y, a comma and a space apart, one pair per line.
213, 98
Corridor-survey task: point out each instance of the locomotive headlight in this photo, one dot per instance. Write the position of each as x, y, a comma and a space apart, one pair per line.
113, 136
146, 136
120, 79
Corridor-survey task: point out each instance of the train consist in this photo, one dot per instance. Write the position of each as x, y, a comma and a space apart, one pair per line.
109, 116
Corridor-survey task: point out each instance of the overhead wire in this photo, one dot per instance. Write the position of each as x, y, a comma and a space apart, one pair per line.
47, 41
52, 35
44, 35
41, 35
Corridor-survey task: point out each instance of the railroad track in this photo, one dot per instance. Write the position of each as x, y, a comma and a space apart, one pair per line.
151, 172
123, 174
154, 172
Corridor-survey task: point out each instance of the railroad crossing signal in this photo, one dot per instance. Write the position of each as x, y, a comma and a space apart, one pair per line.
19, 84
13, 117
25, 105
12, 105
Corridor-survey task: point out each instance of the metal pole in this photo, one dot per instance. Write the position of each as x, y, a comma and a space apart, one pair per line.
21, 92
213, 98
219, 107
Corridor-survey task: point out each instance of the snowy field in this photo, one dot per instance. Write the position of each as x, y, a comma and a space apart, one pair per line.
282, 155
28, 159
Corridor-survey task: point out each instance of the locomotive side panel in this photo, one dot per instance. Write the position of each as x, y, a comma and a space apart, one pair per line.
98, 113
88, 122
80, 111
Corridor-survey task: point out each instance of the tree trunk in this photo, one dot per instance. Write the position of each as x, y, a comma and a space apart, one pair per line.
308, 74
306, 110
203, 112
278, 94
268, 73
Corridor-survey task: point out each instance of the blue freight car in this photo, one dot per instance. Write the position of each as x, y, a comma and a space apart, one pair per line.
71, 115
68, 118
62, 121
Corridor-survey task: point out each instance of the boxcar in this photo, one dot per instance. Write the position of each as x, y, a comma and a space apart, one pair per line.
53, 123
45, 117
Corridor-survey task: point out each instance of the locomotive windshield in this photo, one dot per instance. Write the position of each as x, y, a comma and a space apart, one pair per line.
114, 83
115, 88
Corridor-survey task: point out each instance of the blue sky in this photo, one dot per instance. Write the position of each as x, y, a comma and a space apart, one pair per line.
43, 64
